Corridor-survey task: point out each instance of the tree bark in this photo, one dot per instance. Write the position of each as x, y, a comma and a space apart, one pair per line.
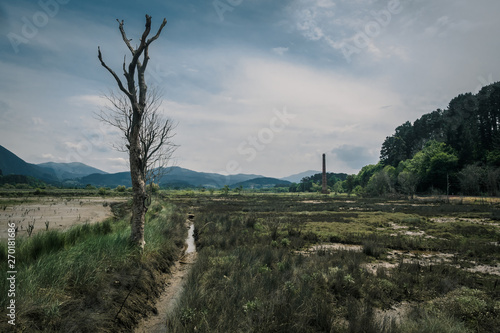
139, 207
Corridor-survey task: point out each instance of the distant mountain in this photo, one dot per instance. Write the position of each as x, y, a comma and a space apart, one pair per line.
174, 177
298, 177
79, 174
262, 182
73, 170
106, 180
11, 164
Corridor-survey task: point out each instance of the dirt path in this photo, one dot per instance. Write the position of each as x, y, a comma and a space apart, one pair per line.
167, 301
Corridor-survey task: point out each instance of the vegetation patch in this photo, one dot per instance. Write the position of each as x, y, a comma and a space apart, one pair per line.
89, 278
252, 274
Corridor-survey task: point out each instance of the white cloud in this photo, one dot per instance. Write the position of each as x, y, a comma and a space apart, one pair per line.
330, 109
37, 121
280, 50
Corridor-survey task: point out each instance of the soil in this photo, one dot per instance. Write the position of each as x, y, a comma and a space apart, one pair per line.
59, 213
168, 299
174, 286
395, 256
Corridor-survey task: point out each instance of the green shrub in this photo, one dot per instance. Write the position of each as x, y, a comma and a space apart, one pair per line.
121, 188
464, 303
371, 247
421, 321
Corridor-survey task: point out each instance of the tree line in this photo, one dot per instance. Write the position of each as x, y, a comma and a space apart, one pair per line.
451, 151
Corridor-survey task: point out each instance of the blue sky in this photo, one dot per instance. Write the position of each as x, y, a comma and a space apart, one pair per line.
261, 87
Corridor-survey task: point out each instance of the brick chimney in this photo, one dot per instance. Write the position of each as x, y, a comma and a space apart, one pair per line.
324, 189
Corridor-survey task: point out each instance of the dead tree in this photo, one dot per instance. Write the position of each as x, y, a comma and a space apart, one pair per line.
155, 136
137, 94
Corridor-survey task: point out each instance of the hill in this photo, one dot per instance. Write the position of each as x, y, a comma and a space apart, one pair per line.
50, 172
261, 183
106, 180
173, 177
193, 178
80, 175
11, 164
73, 170
296, 178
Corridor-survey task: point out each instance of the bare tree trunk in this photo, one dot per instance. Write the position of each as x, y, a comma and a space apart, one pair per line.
139, 207
138, 105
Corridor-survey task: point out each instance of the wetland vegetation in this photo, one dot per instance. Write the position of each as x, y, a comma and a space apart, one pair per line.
272, 262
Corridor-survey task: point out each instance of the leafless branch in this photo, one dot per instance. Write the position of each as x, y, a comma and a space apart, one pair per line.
118, 81
157, 131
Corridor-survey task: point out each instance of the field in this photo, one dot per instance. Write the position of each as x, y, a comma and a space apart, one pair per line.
276, 263
288, 263
52, 213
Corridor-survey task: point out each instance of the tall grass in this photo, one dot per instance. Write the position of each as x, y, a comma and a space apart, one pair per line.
56, 269
249, 278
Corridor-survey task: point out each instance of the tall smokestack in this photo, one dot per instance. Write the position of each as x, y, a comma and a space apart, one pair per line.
324, 189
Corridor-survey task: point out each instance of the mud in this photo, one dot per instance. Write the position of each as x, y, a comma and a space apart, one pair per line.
57, 213
174, 287
394, 257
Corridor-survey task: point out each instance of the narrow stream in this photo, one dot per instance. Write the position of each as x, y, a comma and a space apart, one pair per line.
169, 298
191, 246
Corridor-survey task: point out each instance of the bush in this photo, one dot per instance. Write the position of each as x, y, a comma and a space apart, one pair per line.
420, 321
121, 188
372, 248
466, 304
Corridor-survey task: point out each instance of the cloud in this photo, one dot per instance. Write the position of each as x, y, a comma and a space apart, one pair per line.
222, 80
49, 157
37, 121
309, 17
280, 50
328, 107
354, 157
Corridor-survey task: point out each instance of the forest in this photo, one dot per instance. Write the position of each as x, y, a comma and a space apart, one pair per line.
452, 151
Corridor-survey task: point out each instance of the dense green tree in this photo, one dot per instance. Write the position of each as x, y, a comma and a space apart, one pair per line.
382, 182
349, 184
304, 186
492, 180
408, 182
399, 146
470, 179
489, 115
428, 127
493, 157
338, 187
470, 125
310, 183
366, 173
433, 165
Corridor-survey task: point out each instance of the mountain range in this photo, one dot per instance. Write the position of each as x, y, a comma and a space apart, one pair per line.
79, 174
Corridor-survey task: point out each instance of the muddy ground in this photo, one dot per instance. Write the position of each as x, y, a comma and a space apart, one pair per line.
52, 213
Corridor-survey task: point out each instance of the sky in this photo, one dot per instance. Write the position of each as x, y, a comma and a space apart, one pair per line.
254, 86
